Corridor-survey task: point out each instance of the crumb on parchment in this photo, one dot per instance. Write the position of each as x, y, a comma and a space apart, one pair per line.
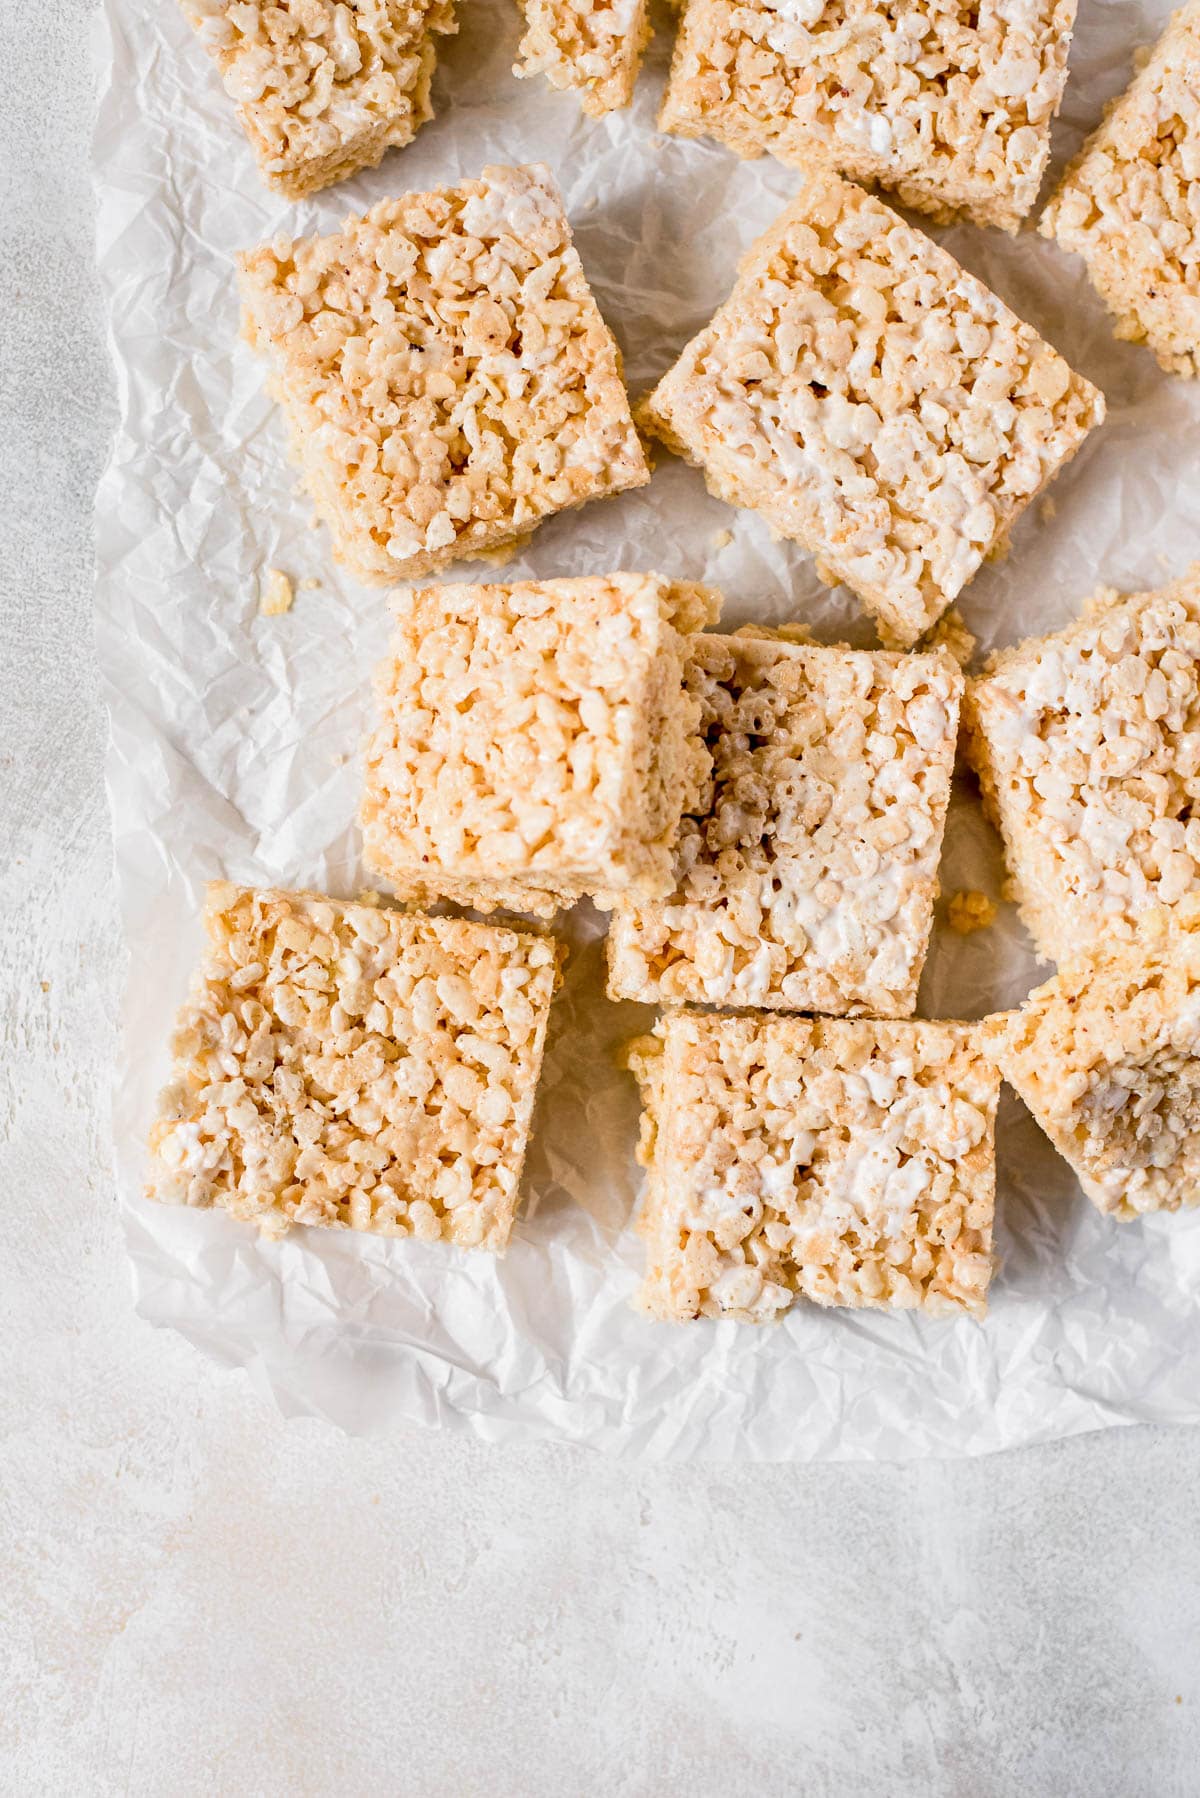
969, 910
277, 594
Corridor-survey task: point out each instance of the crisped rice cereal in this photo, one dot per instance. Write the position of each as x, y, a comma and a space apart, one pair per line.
354, 1067
1107, 1058
1087, 745
805, 877
593, 47
1130, 202
446, 378
948, 105
849, 1163
875, 403
535, 742
323, 87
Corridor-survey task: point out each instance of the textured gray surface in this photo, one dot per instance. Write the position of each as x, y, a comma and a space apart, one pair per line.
198, 1598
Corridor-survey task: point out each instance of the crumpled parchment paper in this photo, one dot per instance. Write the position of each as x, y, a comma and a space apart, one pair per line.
234, 753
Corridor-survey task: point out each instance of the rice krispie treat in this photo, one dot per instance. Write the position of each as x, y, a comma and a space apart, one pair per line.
535, 742
874, 402
1107, 1058
846, 1163
948, 105
1087, 746
323, 87
805, 877
592, 46
355, 1067
445, 375
1130, 202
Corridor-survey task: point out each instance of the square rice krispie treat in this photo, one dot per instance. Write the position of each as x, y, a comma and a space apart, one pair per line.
592, 46
874, 402
536, 742
1087, 746
846, 1163
323, 87
355, 1067
1130, 202
805, 876
949, 105
446, 377
1107, 1058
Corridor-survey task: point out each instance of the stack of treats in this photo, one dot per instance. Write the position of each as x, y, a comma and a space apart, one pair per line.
760, 816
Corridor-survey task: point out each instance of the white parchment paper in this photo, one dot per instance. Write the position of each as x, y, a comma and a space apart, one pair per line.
234, 753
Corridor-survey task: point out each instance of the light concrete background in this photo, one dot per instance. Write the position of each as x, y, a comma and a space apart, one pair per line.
196, 1597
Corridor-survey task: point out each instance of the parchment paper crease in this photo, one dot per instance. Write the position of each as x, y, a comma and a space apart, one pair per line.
234, 752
